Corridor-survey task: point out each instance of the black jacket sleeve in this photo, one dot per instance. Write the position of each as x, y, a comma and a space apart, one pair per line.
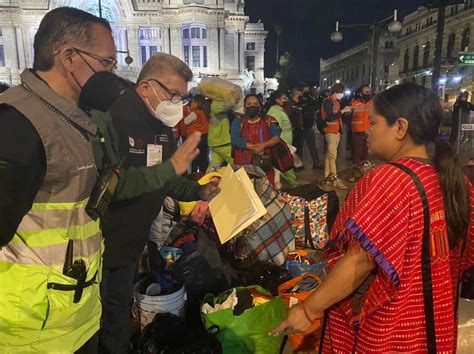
22, 170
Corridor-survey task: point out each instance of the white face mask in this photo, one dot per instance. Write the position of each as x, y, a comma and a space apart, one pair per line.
167, 112
339, 96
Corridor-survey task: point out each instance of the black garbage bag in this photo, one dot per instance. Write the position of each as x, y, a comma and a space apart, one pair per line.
266, 274
170, 334
205, 270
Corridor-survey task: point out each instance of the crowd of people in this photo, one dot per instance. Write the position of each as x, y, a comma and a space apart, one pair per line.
75, 138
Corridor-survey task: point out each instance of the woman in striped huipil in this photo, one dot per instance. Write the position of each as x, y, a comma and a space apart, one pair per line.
400, 242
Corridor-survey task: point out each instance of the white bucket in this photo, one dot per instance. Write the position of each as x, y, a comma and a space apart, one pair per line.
149, 306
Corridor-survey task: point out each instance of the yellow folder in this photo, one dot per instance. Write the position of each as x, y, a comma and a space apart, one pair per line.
237, 206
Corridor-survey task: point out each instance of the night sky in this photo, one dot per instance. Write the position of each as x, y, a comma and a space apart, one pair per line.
308, 25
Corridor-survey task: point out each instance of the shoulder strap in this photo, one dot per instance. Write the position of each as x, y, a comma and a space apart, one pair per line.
425, 262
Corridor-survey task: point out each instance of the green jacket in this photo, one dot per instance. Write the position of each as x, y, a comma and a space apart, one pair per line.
134, 181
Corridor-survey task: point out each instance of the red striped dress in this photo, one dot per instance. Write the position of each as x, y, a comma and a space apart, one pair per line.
384, 215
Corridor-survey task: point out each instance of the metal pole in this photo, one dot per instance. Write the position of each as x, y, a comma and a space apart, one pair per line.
458, 140
438, 45
375, 46
100, 8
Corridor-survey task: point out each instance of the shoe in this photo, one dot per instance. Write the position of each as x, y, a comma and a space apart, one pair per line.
318, 167
337, 183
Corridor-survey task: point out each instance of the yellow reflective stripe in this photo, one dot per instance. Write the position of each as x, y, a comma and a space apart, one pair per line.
55, 206
54, 236
53, 219
51, 255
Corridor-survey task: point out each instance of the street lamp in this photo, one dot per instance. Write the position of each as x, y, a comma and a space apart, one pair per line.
394, 26
128, 59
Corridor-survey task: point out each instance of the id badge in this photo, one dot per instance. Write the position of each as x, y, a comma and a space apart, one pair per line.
154, 155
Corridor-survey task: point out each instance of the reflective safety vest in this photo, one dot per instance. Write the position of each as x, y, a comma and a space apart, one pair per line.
360, 116
334, 127
38, 309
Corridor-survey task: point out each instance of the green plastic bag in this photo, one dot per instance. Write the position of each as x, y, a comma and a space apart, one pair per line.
247, 333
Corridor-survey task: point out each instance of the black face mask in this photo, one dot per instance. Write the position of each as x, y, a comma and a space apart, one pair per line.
366, 96
100, 91
252, 111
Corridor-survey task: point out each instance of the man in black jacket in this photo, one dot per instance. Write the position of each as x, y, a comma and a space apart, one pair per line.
310, 106
143, 118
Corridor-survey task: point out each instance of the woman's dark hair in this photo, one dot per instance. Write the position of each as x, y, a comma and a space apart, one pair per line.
200, 100
422, 109
337, 88
253, 95
272, 100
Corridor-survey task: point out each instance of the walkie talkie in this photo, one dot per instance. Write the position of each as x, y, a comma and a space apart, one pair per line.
103, 191
76, 270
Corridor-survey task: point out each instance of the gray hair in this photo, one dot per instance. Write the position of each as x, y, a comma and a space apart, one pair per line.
162, 64
61, 26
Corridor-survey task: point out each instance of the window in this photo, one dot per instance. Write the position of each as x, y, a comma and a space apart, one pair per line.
150, 42
143, 53
251, 46
2, 56
149, 33
195, 32
186, 54
426, 54
450, 46
465, 39
250, 64
416, 54
386, 68
406, 60
2, 50
196, 56
204, 56
195, 47
418, 27
363, 71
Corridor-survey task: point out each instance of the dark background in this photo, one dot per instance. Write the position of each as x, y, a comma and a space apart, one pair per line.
308, 24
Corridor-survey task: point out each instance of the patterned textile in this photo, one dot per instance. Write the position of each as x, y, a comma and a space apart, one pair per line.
318, 209
271, 237
383, 214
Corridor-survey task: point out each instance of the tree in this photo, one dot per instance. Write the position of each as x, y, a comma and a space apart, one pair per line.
278, 31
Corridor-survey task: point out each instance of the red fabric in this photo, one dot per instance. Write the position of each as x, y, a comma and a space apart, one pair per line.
250, 131
384, 215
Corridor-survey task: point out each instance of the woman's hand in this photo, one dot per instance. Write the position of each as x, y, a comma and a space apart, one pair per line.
259, 149
297, 321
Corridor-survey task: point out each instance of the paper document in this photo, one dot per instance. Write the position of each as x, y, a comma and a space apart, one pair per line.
237, 206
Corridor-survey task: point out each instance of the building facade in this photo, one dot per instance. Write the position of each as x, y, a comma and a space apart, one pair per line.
353, 67
417, 45
214, 37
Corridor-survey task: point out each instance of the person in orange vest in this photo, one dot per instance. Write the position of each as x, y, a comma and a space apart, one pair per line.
331, 114
361, 107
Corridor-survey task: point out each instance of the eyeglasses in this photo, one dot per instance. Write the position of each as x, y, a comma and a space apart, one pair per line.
108, 63
174, 97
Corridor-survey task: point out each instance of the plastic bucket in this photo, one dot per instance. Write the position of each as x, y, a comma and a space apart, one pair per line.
148, 306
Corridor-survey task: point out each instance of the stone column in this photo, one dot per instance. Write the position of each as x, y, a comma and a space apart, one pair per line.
134, 45
10, 47
212, 50
176, 43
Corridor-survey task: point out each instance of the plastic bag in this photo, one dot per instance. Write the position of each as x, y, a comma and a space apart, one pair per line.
247, 333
